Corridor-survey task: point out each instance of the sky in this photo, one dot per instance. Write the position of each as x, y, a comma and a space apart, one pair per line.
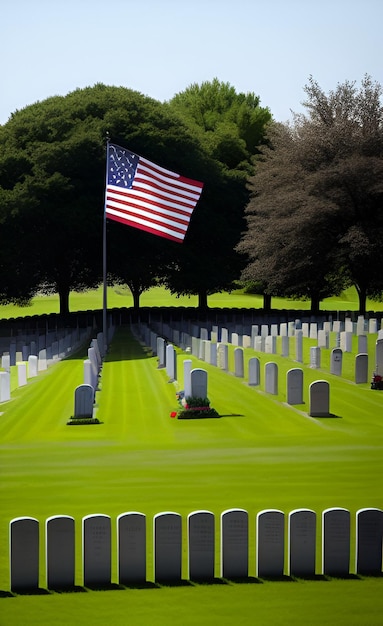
161, 47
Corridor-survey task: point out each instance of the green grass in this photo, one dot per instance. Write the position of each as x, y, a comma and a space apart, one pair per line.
261, 454
159, 297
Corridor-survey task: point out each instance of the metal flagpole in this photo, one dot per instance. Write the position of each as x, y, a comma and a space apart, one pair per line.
104, 296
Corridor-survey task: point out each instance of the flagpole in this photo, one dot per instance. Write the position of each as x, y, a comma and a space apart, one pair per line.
104, 272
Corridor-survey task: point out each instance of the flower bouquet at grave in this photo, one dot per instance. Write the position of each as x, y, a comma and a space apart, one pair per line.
377, 381
195, 408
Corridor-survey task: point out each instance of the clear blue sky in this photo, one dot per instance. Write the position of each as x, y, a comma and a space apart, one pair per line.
160, 47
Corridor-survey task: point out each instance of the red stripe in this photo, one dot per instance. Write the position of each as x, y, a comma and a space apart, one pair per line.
172, 175
175, 191
138, 202
147, 229
128, 209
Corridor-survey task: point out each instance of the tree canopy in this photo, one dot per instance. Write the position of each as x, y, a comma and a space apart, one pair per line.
315, 219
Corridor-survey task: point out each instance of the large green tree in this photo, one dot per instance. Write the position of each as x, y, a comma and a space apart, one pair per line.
315, 220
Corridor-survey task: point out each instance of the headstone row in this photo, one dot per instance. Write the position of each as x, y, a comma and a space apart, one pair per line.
270, 535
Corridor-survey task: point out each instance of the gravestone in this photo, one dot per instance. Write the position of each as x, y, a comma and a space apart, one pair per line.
283, 329
299, 346
323, 339
313, 330
264, 330
238, 363
246, 341
96, 546
346, 341
379, 357
5, 386
195, 347
89, 378
270, 344
167, 546
302, 542
348, 325
22, 374
369, 533
336, 542
270, 542
42, 362
271, 378
274, 330
305, 329
187, 377
361, 368
259, 344
234, 543
294, 385
315, 359
319, 392
235, 339
360, 325
213, 354
32, 366
223, 356
171, 362
285, 345
161, 352
24, 553
362, 344
224, 335
254, 371
372, 325
201, 546
337, 326
6, 362
83, 401
60, 551
198, 383
254, 332
131, 542
204, 335
336, 360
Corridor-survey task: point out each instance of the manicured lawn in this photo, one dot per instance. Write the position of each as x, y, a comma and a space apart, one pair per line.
260, 454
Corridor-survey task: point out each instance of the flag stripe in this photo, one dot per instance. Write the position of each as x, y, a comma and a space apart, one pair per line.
144, 195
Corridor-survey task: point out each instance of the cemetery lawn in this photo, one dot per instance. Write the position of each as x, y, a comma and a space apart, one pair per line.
260, 454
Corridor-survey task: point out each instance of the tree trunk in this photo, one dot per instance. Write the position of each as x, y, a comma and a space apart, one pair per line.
266, 302
64, 299
362, 294
315, 303
136, 299
202, 300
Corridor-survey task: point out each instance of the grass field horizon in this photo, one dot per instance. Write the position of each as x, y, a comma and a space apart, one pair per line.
262, 455
120, 296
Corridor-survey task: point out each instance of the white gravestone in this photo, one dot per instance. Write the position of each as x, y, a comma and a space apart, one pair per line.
319, 392
213, 354
171, 362
131, 543
22, 374
5, 386
302, 542
24, 553
294, 386
323, 339
283, 329
60, 551
362, 344
369, 533
224, 335
222, 356
246, 341
32, 366
373, 326
83, 401
42, 362
167, 546
379, 357
264, 330
254, 371
336, 360
361, 368
201, 546
234, 543
270, 542
96, 546
285, 346
271, 378
299, 346
238, 363
198, 383
346, 341
187, 377
270, 344
336, 542
89, 378
6, 362
235, 339
161, 352
313, 330
315, 357
305, 329
259, 343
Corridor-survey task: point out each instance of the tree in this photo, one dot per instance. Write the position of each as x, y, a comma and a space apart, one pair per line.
229, 126
315, 218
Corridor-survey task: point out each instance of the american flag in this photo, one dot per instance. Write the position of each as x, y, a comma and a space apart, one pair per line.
144, 195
